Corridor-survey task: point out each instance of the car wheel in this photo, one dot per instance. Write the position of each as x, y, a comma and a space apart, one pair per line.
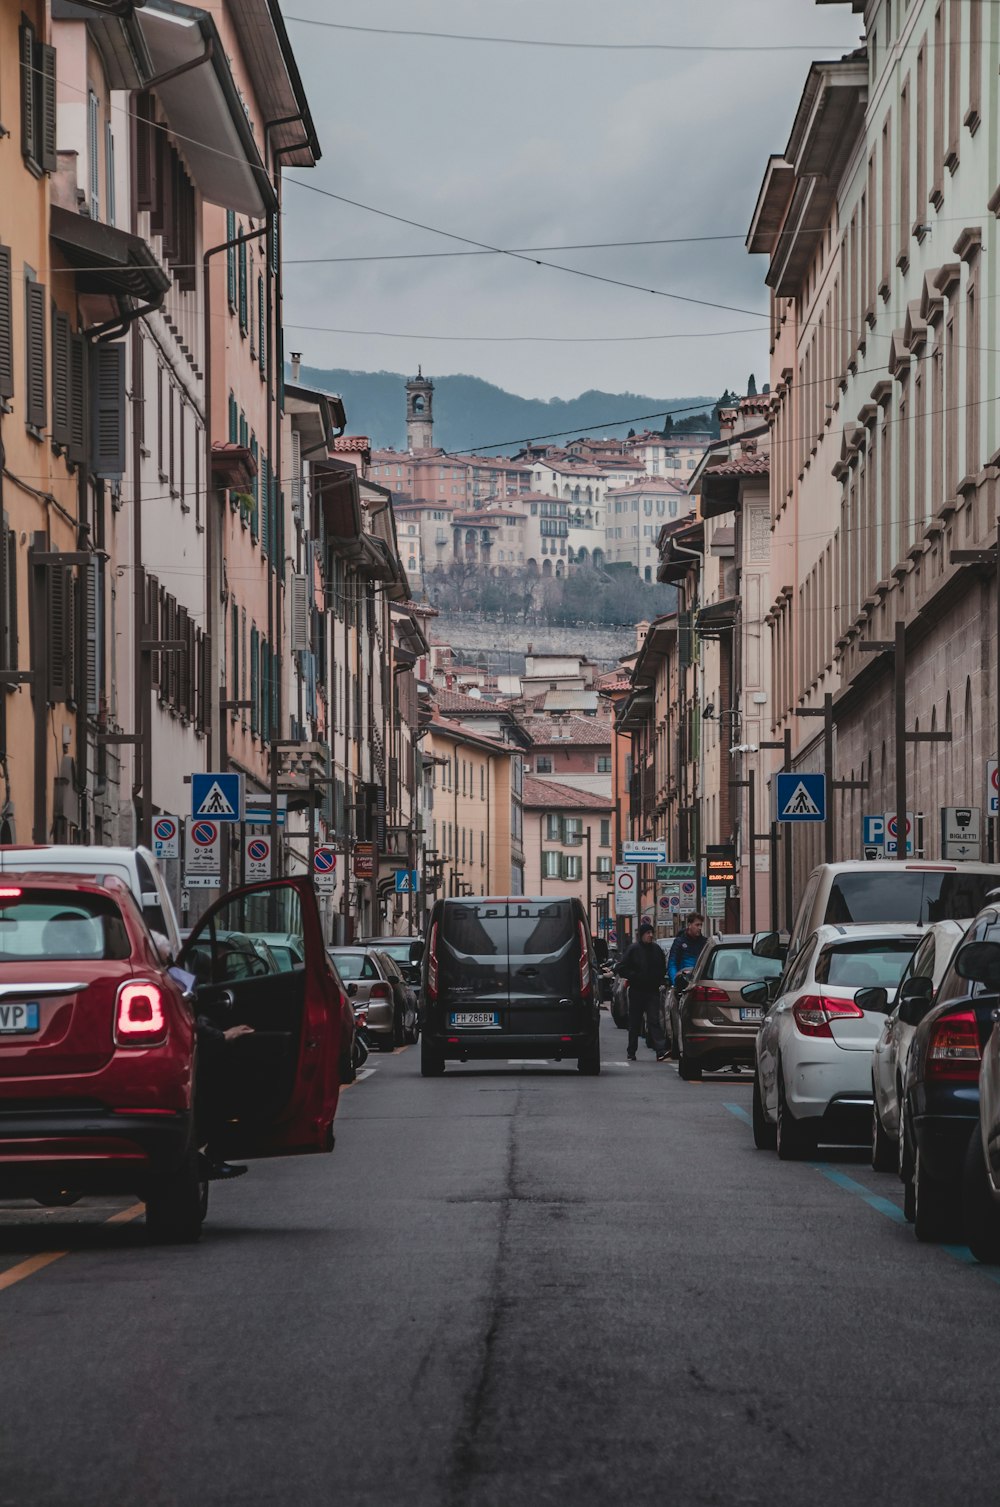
885, 1155
431, 1059
765, 1135
689, 1070
980, 1213
909, 1201
937, 1209
589, 1061
59, 1198
794, 1139
398, 1030
176, 1204
675, 1043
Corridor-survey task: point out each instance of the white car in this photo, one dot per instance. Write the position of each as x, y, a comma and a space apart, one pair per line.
813, 1072
889, 1057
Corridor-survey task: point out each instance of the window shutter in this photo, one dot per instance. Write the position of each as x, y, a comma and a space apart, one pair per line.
92, 577
93, 163
8, 597
231, 259
254, 518
144, 150
296, 473
204, 681
254, 682
261, 326
184, 666
46, 63
34, 332
279, 513
60, 378
310, 665
243, 286
77, 399
29, 90
109, 168
59, 648
265, 505
265, 692
6, 326
300, 614
107, 451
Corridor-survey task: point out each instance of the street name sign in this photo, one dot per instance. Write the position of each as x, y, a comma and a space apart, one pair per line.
219, 797
653, 851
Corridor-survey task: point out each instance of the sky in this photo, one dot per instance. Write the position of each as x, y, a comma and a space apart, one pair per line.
527, 147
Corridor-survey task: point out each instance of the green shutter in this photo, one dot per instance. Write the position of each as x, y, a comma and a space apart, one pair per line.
231, 259
243, 286
254, 514
254, 681
265, 505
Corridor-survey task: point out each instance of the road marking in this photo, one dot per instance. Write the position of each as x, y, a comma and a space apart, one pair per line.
881, 1205
365, 1072
45, 1258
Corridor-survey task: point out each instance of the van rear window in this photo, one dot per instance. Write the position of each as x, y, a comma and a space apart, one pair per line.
532, 927
919, 896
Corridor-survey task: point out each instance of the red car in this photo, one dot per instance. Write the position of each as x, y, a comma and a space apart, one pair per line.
98, 1045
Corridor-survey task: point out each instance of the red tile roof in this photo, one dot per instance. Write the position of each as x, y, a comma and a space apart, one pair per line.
457, 701
549, 795
742, 465
352, 442
565, 732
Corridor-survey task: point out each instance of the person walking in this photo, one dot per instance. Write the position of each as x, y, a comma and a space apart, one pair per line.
645, 968
687, 948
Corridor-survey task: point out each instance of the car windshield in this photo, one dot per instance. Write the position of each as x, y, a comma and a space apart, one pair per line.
398, 951
855, 965
285, 958
739, 963
39, 925
528, 927
354, 965
913, 896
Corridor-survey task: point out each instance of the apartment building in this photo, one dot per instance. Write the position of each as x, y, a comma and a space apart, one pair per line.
472, 811
567, 843
635, 516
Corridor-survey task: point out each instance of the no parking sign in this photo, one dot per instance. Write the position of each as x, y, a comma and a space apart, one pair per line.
625, 890
166, 837
258, 861
203, 865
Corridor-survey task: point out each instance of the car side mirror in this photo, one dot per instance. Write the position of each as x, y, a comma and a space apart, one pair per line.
600, 950
873, 998
352, 991
681, 982
918, 986
757, 992
979, 962
768, 944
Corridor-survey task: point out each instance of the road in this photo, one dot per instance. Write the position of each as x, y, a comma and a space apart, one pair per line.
507, 1286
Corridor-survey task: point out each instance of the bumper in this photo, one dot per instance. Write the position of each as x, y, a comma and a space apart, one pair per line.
90, 1150
498, 1046
836, 1083
719, 1046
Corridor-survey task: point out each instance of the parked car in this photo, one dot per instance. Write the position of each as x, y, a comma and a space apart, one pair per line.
285, 948
136, 867
372, 979
889, 1057
979, 962
710, 1025
405, 952
510, 977
812, 1077
97, 1045
911, 891
939, 1108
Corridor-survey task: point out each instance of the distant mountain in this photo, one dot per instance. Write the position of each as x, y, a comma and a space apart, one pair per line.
468, 411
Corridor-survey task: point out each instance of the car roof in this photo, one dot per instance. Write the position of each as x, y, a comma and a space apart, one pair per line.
378, 941
897, 865
58, 879
867, 931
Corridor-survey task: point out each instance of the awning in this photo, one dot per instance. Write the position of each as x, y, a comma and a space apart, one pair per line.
204, 108
319, 416
717, 617
635, 712
112, 261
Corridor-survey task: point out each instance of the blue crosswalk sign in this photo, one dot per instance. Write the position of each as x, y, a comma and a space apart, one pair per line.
801, 797
407, 882
218, 796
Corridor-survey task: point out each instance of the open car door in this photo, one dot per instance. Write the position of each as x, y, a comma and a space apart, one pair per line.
277, 1088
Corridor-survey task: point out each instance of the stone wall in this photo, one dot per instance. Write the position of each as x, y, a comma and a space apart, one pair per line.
505, 644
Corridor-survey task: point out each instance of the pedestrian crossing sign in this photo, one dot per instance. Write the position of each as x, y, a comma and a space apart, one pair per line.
407, 882
219, 797
801, 797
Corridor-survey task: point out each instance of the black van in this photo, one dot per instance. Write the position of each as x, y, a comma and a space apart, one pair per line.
511, 976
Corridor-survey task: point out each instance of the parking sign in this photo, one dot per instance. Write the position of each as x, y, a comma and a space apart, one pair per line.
166, 837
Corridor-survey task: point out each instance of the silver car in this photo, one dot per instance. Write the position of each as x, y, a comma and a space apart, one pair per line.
373, 981
889, 1056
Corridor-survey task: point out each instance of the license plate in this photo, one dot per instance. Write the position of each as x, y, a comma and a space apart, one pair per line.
751, 1012
18, 1019
475, 1018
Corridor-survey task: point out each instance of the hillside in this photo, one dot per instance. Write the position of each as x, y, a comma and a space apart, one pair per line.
470, 412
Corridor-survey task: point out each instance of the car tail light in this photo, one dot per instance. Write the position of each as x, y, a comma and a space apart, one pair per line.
379, 992
432, 964
10, 894
584, 960
361, 1015
140, 1018
705, 994
953, 1052
814, 1012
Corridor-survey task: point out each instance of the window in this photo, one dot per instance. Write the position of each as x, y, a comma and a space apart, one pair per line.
605, 831
573, 831
8, 596
552, 828
231, 260
572, 867
551, 865
261, 327
36, 407
38, 101
93, 165
166, 191
244, 324
543, 764
604, 866
109, 170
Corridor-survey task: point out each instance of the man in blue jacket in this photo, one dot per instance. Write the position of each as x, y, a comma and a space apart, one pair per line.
687, 947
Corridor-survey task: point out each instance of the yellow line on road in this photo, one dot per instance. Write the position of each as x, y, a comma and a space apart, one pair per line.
46, 1258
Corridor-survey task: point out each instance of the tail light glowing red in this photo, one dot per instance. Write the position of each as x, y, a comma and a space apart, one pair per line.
706, 994
10, 894
814, 1012
380, 992
140, 1017
953, 1052
432, 964
584, 960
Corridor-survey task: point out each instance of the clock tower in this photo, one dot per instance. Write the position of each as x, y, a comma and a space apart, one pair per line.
420, 412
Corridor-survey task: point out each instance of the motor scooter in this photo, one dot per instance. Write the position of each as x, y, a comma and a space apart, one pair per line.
362, 1041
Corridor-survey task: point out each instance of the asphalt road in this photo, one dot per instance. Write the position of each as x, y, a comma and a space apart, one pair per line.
507, 1286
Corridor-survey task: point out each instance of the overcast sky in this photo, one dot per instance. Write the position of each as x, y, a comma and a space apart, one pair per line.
519, 146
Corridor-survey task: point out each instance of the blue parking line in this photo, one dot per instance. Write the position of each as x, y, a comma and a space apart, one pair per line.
881, 1205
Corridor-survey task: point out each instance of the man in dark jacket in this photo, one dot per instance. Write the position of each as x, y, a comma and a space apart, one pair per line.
645, 968
687, 948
